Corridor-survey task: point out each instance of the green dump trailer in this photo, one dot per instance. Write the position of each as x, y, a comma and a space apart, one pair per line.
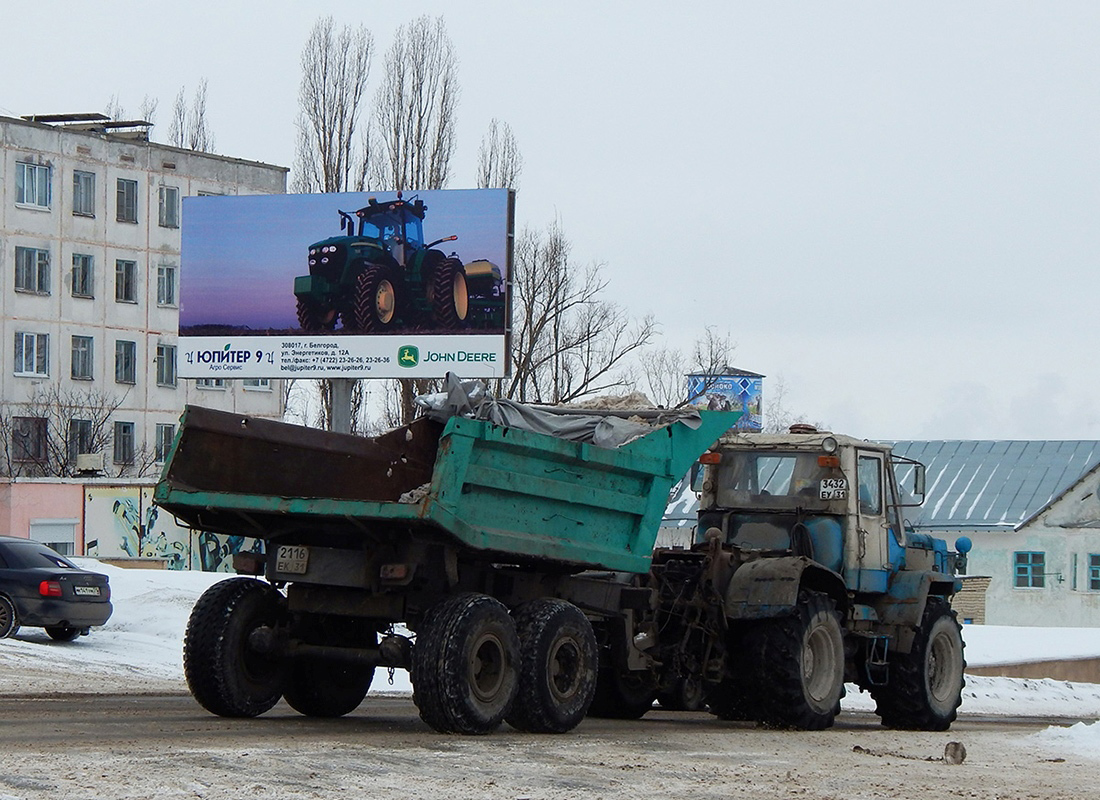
503, 567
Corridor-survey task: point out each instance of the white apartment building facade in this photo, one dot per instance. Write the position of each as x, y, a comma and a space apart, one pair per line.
89, 280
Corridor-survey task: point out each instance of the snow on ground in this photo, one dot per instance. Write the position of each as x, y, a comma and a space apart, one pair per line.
139, 649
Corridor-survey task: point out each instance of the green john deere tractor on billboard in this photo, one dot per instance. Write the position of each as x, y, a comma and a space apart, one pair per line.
381, 276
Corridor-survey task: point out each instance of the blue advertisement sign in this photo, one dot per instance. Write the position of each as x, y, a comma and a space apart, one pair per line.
729, 393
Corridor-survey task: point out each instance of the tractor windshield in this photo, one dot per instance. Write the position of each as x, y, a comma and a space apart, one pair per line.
390, 226
778, 481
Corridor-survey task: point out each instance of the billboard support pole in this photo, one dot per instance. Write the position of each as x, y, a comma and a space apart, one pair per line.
341, 404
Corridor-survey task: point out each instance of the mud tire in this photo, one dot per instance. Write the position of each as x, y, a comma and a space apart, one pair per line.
376, 299
925, 686
450, 296
62, 633
798, 666
558, 665
321, 688
225, 675
465, 665
9, 618
309, 316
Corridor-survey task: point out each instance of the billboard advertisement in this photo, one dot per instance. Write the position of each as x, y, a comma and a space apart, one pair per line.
740, 392
351, 285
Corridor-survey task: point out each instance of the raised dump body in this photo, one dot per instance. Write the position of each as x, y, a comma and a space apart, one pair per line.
499, 493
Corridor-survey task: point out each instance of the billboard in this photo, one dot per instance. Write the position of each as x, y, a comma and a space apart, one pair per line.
737, 392
351, 285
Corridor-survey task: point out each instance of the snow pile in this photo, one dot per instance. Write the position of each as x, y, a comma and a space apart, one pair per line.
1081, 739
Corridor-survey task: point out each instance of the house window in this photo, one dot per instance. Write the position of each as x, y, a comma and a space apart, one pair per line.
165, 435
166, 286
32, 270
126, 201
263, 384
28, 438
169, 207
82, 358
125, 281
84, 194
125, 362
32, 185
82, 275
32, 354
124, 443
1094, 573
166, 365
80, 438
1030, 569
210, 383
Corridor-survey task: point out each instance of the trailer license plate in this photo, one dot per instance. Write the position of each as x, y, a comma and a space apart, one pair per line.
86, 591
292, 559
834, 488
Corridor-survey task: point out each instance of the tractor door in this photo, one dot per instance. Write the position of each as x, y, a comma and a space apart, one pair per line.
872, 523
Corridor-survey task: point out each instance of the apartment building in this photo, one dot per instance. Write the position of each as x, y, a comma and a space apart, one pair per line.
90, 216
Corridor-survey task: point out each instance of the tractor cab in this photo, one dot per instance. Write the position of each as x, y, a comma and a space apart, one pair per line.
397, 225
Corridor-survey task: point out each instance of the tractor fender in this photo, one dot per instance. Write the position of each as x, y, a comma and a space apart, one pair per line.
769, 587
903, 604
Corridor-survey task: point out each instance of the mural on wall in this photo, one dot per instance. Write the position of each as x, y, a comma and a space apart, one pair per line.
123, 522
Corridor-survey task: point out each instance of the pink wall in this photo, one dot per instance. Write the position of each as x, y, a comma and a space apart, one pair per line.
23, 502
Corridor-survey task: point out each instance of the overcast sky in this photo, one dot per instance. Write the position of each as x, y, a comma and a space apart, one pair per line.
893, 207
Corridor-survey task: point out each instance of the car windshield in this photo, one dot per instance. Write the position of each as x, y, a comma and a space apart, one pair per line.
777, 480
32, 555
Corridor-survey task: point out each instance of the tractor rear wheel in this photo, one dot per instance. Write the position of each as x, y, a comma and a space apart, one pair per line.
376, 299
449, 295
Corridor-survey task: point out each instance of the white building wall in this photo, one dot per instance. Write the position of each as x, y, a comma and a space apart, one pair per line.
63, 233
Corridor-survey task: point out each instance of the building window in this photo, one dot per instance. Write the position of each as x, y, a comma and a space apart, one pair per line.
125, 281
166, 286
263, 384
126, 201
1030, 569
166, 365
32, 270
32, 185
210, 383
1094, 573
28, 438
32, 354
165, 436
125, 362
124, 443
169, 207
82, 358
80, 438
82, 275
84, 194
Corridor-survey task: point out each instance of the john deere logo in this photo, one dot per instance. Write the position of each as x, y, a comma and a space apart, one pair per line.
408, 355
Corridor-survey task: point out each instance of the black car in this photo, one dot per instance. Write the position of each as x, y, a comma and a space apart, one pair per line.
41, 588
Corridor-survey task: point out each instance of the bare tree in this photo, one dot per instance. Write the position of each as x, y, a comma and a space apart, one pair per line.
189, 128
665, 370
177, 128
499, 161
335, 68
414, 121
779, 417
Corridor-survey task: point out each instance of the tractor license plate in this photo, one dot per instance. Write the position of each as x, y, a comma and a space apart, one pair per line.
86, 591
834, 488
292, 559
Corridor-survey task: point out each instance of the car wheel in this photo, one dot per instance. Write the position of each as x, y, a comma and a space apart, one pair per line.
9, 619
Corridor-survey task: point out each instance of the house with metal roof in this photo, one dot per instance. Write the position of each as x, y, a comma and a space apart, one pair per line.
1031, 508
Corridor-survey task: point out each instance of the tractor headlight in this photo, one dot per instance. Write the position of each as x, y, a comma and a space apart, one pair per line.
828, 444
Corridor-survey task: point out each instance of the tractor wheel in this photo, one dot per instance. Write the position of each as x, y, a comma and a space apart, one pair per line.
558, 665
9, 619
622, 695
310, 317
686, 694
449, 296
465, 665
798, 670
224, 673
375, 299
320, 688
925, 686
732, 700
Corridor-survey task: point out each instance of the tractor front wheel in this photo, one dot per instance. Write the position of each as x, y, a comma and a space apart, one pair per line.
449, 295
375, 299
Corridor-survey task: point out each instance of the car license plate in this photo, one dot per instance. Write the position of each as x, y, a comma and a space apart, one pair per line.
833, 488
292, 559
86, 591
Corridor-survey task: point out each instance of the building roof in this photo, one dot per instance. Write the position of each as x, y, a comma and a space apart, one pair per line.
985, 484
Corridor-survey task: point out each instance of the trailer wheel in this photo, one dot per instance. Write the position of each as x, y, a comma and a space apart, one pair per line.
321, 688
798, 670
449, 295
375, 299
924, 690
622, 695
224, 673
464, 667
9, 619
558, 665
